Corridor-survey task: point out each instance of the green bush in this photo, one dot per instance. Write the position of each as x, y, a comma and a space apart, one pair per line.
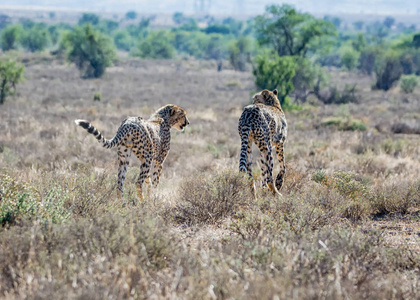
217, 28
410, 61
356, 192
334, 96
345, 124
309, 77
191, 43
140, 30
123, 40
388, 70
10, 37
367, 61
36, 38
240, 52
11, 73
90, 50
131, 15
408, 83
107, 26
157, 44
89, 18
216, 47
21, 200
359, 43
349, 58
54, 33
97, 97
275, 72
289, 32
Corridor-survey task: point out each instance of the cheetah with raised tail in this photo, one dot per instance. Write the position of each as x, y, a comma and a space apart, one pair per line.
149, 140
264, 124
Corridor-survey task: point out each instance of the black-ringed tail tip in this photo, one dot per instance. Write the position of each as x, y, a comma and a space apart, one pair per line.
91, 129
85, 124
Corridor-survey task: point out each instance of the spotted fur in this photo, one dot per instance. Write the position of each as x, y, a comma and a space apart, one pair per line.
149, 140
264, 124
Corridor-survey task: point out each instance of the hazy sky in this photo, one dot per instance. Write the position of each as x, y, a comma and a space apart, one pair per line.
223, 6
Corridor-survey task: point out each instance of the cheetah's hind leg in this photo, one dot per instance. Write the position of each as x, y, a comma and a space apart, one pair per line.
124, 154
249, 170
280, 156
145, 161
150, 180
267, 164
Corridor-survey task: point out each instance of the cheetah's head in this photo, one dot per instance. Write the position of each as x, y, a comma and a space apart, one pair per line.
178, 117
267, 97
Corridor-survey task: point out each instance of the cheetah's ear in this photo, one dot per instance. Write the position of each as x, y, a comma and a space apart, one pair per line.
275, 92
173, 111
265, 93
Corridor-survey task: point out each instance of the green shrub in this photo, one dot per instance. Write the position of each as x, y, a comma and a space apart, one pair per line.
309, 77
93, 19
191, 43
36, 38
97, 96
291, 33
123, 40
10, 37
275, 72
107, 26
240, 53
216, 47
20, 200
90, 50
320, 177
349, 58
367, 61
54, 33
16, 200
388, 70
357, 193
140, 30
131, 15
157, 44
408, 83
217, 28
345, 124
11, 73
334, 96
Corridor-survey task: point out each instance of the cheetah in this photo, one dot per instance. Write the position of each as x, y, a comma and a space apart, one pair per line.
149, 140
264, 124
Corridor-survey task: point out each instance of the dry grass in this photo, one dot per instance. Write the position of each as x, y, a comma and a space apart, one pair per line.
347, 226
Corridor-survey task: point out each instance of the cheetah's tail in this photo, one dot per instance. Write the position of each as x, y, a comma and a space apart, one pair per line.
92, 130
243, 160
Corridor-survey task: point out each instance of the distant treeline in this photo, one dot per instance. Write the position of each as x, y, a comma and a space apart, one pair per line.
282, 42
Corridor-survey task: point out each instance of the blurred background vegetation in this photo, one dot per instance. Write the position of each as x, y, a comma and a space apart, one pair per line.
282, 42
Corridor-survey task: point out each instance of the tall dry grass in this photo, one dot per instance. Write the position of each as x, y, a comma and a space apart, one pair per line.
201, 235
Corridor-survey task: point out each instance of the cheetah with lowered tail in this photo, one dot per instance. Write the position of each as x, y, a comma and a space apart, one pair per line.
148, 140
264, 124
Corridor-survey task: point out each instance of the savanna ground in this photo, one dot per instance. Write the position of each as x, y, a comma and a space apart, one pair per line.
346, 227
